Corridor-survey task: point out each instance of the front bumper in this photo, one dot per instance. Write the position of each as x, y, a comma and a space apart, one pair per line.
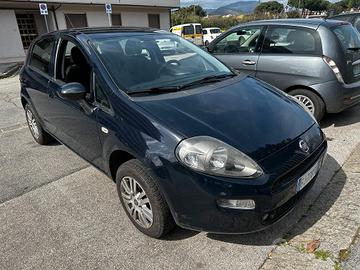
337, 96
193, 197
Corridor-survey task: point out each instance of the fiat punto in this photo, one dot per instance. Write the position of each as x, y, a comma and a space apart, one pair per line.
187, 140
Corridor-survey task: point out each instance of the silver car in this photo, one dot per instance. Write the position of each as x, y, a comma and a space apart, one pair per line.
315, 60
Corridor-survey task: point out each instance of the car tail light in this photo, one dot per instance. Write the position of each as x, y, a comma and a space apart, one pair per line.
334, 68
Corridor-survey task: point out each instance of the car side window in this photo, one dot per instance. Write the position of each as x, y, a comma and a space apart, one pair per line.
242, 40
40, 57
291, 40
72, 65
188, 30
357, 23
100, 96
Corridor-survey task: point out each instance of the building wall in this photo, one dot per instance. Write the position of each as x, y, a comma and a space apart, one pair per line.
10, 41
133, 13
96, 15
154, 3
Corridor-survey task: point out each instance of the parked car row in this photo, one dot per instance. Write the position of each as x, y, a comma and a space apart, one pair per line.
317, 61
187, 139
195, 33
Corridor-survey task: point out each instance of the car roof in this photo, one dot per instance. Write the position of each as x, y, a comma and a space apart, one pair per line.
350, 14
310, 23
185, 24
98, 30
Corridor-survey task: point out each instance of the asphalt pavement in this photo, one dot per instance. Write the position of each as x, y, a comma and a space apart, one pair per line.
56, 211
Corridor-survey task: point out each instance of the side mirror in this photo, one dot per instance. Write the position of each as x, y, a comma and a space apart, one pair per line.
209, 49
73, 91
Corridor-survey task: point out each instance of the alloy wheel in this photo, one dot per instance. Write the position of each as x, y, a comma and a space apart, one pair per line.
307, 102
32, 124
136, 202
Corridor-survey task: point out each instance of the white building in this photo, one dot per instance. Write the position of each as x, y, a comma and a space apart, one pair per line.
21, 22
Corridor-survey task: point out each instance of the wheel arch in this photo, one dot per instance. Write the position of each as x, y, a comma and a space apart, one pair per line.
116, 159
23, 101
295, 87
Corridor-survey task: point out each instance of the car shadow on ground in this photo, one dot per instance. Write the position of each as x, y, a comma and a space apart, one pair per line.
293, 224
347, 117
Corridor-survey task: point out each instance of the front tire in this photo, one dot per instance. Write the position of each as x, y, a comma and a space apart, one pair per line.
311, 101
142, 200
37, 131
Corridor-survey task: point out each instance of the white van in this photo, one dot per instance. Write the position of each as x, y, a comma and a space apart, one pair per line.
189, 31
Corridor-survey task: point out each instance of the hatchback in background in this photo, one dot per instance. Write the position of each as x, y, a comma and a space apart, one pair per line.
186, 140
209, 34
353, 18
317, 61
189, 31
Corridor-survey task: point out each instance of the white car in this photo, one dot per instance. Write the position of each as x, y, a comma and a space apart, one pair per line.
209, 34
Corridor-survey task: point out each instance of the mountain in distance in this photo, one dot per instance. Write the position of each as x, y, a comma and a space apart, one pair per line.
237, 8
207, 4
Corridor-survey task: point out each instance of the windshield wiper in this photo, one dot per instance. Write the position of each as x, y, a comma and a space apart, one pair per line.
208, 79
354, 49
156, 90
169, 89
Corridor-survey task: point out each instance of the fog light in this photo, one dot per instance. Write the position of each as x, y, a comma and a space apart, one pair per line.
237, 204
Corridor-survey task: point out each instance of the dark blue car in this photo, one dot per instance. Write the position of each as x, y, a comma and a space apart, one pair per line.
188, 141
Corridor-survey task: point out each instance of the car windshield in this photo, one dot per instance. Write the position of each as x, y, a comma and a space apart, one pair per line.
140, 62
348, 36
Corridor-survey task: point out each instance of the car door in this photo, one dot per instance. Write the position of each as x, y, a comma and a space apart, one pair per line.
36, 75
239, 48
75, 121
290, 56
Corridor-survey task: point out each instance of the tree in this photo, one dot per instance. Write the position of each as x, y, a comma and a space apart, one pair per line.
312, 5
272, 7
189, 14
317, 5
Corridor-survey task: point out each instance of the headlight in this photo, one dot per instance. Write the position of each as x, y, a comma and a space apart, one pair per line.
211, 156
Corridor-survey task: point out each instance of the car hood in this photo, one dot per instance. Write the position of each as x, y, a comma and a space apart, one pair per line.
243, 112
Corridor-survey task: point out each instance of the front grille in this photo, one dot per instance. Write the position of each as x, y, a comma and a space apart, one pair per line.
298, 169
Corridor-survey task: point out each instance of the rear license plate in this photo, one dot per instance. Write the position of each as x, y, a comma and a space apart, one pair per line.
308, 176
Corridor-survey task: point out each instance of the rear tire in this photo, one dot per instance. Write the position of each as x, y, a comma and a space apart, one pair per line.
36, 130
142, 200
311, 101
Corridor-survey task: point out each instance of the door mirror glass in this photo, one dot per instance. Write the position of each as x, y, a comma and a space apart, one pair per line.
73, 91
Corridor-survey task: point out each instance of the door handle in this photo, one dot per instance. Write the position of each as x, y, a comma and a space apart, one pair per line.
248, 63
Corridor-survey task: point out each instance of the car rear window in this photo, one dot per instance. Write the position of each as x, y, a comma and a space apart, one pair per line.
347, 36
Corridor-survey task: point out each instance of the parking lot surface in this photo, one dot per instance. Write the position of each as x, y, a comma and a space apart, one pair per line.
56, 211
